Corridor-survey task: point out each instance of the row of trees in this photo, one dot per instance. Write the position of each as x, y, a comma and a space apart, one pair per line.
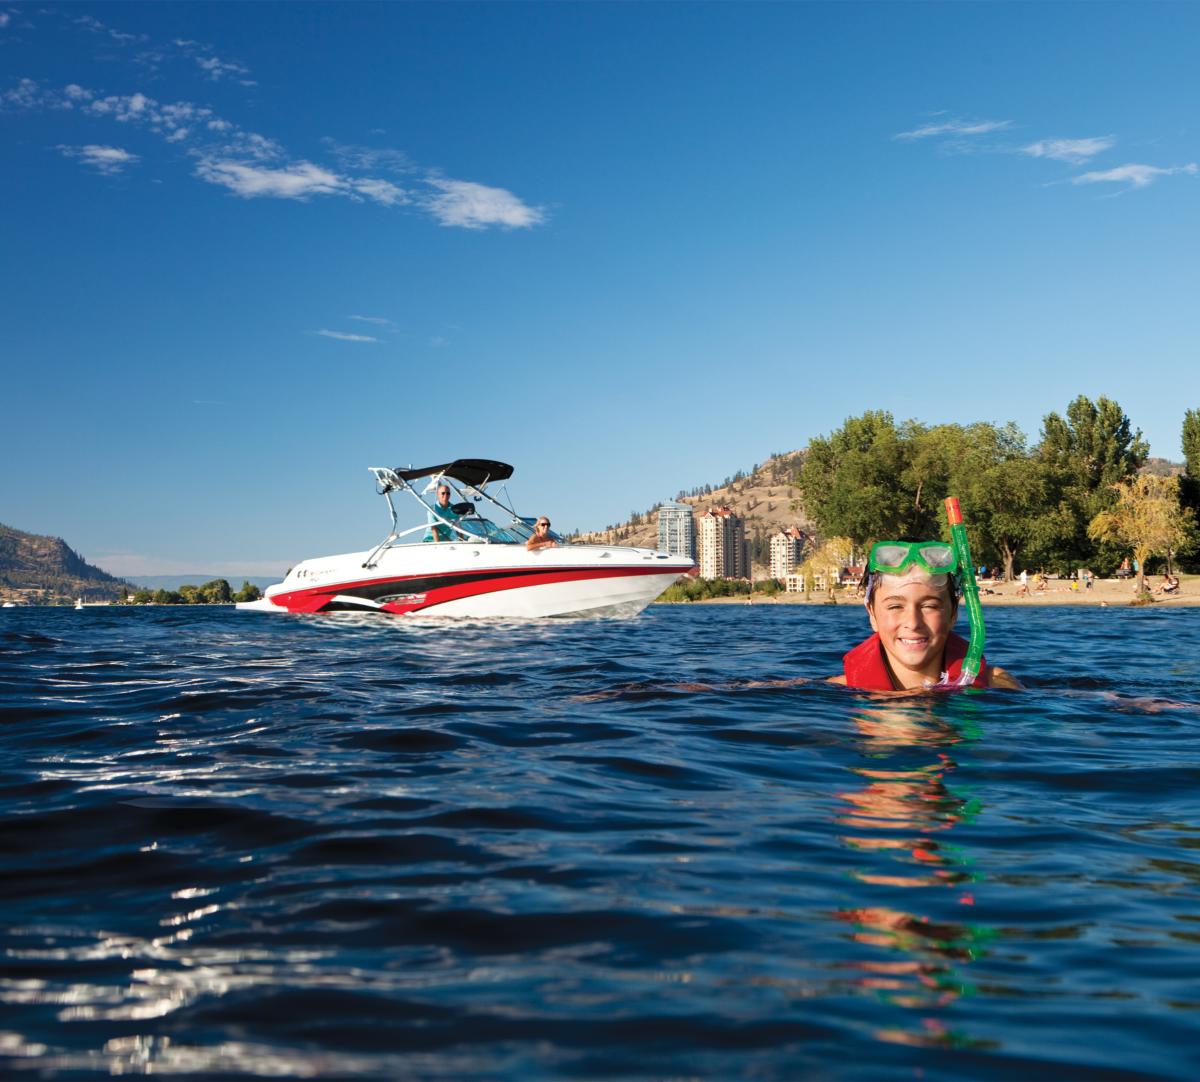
1076, 498
216, 592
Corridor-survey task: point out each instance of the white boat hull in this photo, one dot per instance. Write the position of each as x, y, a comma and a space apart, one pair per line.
479, 581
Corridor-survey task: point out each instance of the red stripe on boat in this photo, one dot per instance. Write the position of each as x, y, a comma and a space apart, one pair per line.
313, 600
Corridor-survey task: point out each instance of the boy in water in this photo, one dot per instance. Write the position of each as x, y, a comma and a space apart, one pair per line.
912, 603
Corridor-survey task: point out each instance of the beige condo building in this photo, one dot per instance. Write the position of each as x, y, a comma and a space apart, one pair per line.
723, 553
787, 550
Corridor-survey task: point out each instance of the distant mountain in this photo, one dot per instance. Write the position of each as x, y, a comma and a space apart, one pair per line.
1163, 467
41, 570
765, 497
199, 578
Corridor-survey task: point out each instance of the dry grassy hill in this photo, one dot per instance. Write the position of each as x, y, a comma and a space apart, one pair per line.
765, 497
37, 570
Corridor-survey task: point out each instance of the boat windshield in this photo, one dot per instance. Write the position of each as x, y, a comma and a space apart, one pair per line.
496, 535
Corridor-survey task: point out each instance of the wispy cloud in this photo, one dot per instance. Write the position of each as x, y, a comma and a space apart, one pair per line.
371, 159
1134, 175
217, 69
5, 19
476, 206
954, 127
97, 27
1074, 151
379, 321
342, 336
106, 160
299, 181
214, 68
253, 166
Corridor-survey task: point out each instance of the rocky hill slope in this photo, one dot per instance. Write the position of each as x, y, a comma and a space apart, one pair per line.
37, 570
765, 497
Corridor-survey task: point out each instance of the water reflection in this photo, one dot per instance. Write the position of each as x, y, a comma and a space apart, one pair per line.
896, 820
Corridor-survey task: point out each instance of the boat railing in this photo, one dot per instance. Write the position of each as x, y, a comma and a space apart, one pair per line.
472, 527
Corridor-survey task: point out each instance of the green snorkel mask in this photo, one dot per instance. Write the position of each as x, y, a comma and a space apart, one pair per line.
939, 558
895, 557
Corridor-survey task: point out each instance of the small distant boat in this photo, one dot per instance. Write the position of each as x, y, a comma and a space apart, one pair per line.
9, 605
81, 604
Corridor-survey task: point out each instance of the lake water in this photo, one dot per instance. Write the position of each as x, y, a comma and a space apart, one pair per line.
286, 846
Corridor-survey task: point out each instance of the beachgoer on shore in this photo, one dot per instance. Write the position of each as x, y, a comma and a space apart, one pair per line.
1169, 585
912, 602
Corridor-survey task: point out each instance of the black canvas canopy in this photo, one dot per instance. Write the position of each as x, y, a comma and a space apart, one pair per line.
470, 471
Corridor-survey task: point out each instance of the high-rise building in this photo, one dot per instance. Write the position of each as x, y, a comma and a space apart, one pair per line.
677, 529
787, 550
723, 552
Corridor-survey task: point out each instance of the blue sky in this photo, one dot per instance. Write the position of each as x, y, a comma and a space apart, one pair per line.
251, 249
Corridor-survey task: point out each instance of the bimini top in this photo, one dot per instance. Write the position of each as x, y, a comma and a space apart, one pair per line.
470, 471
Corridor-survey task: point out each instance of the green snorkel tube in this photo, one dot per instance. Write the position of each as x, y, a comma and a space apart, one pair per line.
958, 535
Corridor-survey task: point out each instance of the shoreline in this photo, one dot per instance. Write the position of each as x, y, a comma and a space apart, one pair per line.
1108, 593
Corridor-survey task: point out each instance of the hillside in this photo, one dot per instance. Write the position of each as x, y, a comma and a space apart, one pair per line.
765, 497
39, 570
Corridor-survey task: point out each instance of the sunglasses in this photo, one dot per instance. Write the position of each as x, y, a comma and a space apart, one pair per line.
543, 524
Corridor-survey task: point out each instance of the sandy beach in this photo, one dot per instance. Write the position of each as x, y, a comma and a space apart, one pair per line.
1104, 592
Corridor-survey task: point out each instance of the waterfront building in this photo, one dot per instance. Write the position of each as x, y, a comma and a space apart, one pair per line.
677, 529
723, 553
787, 550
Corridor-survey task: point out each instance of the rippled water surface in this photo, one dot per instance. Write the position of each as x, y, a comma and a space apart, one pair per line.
233, 843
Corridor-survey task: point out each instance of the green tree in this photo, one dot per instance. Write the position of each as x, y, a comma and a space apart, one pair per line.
1191, 443
1086, 454
190, 594
216, 592
1189, 483
853, 482
1147, 518
142, 597
248, 592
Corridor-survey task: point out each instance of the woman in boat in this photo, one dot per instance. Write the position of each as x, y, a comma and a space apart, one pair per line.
912, 603
541, 536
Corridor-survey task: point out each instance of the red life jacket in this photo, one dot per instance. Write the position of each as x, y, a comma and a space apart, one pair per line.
865, 668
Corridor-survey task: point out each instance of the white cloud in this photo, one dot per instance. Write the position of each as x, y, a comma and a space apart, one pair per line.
5, 19
382, 191
25, 95
253, 166
98, 27
379, 321
1136, 176
106, 160
341, 336
213, 66
216, 69
298, 181
476, 206
1069, 150
954, 127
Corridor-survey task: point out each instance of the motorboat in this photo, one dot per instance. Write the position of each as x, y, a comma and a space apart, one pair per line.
483, 570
